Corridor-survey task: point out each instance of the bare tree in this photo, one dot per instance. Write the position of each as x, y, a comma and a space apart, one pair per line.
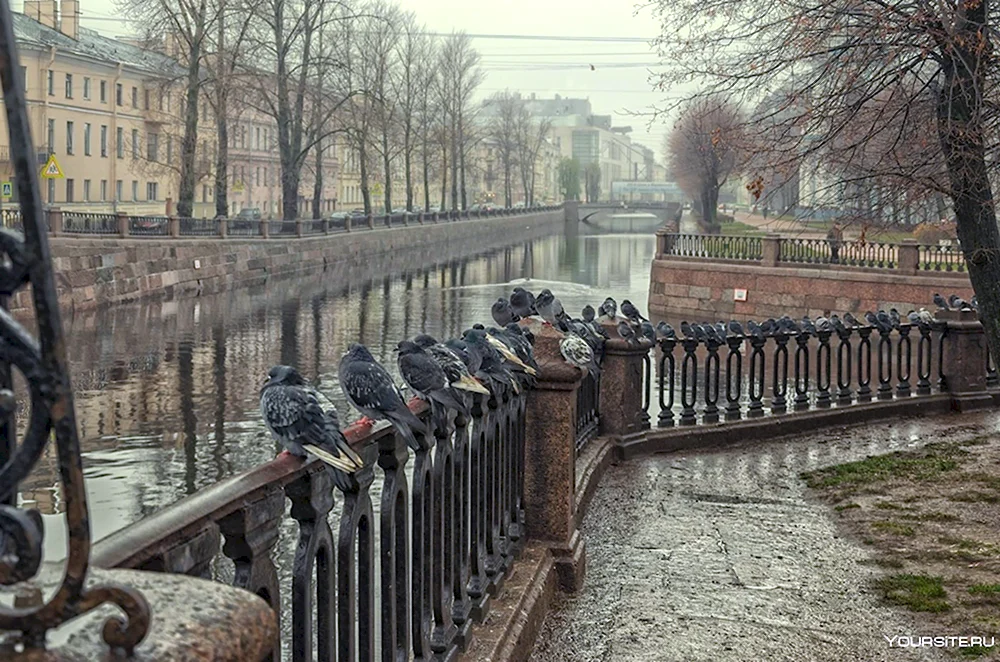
503, 133
411, 85
703, 149
378, 55
531, 135
832, 59
459, 64
187, 23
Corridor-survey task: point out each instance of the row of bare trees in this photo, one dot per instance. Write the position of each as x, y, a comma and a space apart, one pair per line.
517, 137
364, 73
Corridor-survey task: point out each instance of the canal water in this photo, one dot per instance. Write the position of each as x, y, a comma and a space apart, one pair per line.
167, 392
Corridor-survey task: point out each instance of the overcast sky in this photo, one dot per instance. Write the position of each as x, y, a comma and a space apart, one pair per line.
613, 42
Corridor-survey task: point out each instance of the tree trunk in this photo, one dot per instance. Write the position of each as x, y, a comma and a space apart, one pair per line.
387, 168
425, 156
959, 111
408, 163
222, 159
318, 183
454, 165
363, 160
189, 145
461, 154
444, 176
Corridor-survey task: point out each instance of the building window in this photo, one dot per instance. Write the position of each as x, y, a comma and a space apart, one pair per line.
52, 191
160, 102
153, 147
52, 83
86, 190
104, 91
86, 139
69, 86
118, 190
135, 97
69, 190
168, 102
146, 101
135, 190
52, 136
104, 140
151, 192
104, 190
118, 94
267, 182
170, 148
69, 137
258, 177
135, 143
204, 193
24, 77
120, 143
257, 146
86, 88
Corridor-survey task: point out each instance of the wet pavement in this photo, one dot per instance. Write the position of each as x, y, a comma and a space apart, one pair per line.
722, 556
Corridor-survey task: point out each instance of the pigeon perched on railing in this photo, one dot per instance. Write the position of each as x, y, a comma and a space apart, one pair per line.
371, 390
769, 327
710, 332
883, 321
631, 312
925, 316
823, 325
666, 331
940, 302
808, 325
839, 326
851, 321
648, 331
895, 318
625, 331
430, 383
490, 363
522, 302
550, 308
452, 364
958, 303
588, 314
687, 330
756, 330
292, 413
502, 312
608, 311
914, 318
975, 303
578, 353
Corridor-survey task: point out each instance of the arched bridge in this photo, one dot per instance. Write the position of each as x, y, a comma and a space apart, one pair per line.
629, 217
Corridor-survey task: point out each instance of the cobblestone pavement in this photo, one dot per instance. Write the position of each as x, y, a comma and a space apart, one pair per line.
721, 556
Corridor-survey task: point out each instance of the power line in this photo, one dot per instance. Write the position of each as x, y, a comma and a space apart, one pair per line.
538, 37
589, 54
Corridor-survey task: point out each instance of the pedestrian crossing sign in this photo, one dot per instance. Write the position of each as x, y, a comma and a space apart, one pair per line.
8, 190
52, 169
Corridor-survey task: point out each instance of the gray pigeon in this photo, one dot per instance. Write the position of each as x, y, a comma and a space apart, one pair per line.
577, 352
940, 302
588, 314
631, 312
428, 380
291, 411
665, 330
371, 390
452, 364
503, 314
625, 331
648, 331
522, 302
609, 309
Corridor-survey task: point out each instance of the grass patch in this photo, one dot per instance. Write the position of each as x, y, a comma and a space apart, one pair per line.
984, 589
915, 592
973, 652
975, 496
931, 517
846, 506
894, 528
739, 228
913, 465
882, 562
888, 505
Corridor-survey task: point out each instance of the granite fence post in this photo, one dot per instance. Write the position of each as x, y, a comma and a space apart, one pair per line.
964, 359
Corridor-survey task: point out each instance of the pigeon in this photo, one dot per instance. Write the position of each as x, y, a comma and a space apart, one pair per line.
521, 341
549, 308
883, 321
489, 361
808, 325
626, 332
579, 353
452, 364
371, 390
648, 331
925, 316
699, 332
502, 312
940, 302
522, 302
914, 317
823, 325
851, 321
428, 380
687, 330
631, 312
710, 332
496, 338
735, 327
721, 329
588, 314
894, 317
768, 327
975, 303
609, 309
756, 330
958, 303
871, 318
292, 412
839, 326
665, 330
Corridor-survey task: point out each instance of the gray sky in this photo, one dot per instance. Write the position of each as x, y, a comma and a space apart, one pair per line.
617, 85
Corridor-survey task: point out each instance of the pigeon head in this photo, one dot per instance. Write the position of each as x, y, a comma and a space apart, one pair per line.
284, 375
408, 347
478, 327
514, 328
588, 313
424, 340
359, 352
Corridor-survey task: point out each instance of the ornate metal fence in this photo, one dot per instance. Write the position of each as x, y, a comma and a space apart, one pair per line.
75, 222
198, 227
850, 253
713, 246
940, 258
587, 410
436, 547
149, 226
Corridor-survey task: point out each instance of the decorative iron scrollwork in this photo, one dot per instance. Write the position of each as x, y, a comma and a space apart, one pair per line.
42, 362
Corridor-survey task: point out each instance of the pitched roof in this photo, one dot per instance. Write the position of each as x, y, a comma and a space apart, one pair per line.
92, 45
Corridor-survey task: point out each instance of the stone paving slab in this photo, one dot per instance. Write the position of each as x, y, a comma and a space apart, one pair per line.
720, 556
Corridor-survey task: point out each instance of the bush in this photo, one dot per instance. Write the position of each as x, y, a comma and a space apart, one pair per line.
725, 218
932, 233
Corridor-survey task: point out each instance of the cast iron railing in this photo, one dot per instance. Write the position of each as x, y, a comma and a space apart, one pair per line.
75, 222
850, 253
442, 543
198, 227
941, 258
587, 410
713, 246
149, 226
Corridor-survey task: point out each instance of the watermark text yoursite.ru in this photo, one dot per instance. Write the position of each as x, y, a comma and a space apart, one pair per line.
910, 641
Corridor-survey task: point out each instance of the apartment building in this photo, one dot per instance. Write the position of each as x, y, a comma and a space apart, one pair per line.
111, 112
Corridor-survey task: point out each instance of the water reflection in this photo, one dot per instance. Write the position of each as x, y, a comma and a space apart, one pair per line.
166, 392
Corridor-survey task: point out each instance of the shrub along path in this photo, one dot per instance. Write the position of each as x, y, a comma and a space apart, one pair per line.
728, 555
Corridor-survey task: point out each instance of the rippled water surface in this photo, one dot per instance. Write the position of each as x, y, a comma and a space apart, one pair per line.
166, 393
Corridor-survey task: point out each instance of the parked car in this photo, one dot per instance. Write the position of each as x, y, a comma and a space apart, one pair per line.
247, 218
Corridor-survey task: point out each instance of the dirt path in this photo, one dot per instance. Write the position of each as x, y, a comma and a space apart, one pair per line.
721, 556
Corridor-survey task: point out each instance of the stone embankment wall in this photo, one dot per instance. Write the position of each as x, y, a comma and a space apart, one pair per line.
94, 272
703, 290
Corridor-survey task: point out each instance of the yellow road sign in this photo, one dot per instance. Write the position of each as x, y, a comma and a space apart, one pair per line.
238, 187
8, 190
52, 169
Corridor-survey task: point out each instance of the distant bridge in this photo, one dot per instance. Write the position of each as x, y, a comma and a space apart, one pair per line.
634, 217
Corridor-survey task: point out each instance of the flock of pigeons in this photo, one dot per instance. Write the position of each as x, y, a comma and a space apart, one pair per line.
495, 361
